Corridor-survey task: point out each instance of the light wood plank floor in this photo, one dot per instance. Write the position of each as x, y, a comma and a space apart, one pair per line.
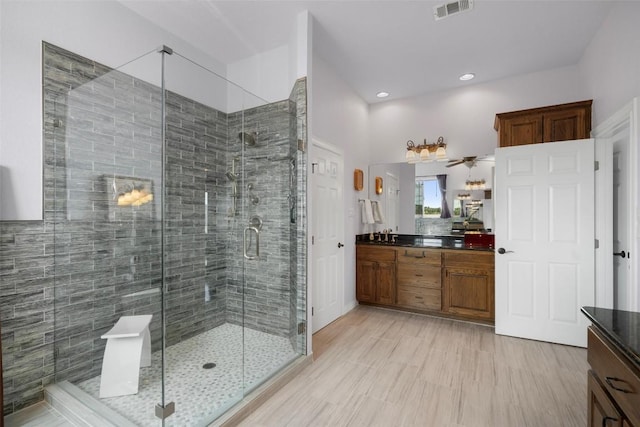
377, 367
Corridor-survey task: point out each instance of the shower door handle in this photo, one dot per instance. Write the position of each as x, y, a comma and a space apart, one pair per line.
248, 230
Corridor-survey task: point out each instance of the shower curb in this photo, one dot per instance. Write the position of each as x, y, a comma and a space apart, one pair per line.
82, 409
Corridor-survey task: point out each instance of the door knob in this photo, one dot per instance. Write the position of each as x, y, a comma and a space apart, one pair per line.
340, 245
503, 251
621, 254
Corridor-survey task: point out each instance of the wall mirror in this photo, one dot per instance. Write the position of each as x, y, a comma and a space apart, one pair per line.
402, 203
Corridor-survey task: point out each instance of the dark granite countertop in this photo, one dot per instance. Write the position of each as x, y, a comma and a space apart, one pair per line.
621, 327
424, 241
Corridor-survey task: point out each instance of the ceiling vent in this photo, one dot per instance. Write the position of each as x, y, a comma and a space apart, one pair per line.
448, 9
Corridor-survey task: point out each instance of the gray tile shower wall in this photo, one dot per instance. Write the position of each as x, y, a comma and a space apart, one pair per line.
101, 129
260, 298
299, 229
195, 263
26, 307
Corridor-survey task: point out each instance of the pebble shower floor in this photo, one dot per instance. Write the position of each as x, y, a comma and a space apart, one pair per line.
201, 394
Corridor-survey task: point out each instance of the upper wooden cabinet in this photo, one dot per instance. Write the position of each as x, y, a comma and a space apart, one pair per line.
562, 122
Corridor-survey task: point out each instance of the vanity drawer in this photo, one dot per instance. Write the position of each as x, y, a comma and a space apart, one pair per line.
419, 256
619, 378
468, 258
422, 298
422, 276
373, 253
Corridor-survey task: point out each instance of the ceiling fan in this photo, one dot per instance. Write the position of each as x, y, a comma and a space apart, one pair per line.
469, 161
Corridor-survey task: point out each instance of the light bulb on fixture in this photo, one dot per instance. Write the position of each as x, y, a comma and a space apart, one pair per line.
441, 151
411, 156
425, 153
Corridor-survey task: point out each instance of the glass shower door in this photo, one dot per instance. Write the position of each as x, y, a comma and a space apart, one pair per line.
103, 193
203, 274
232, 290
266, 133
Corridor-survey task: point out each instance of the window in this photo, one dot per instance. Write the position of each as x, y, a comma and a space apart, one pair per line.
428, 197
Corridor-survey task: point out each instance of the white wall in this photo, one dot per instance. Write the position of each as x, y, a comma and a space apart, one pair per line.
269, 76
103, 31
300, 42
340, 118
610, 66
265, 75
464, 116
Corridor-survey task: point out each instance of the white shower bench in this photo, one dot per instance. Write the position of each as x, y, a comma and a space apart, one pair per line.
128, 349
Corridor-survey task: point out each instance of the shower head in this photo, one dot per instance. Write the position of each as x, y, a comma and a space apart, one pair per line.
249, 138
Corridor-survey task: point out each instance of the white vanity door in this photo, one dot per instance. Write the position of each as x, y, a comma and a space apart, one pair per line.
544, 201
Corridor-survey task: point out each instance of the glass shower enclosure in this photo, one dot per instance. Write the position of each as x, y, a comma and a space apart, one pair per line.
172, 195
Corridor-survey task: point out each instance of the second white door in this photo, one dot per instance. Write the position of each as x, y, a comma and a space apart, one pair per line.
545, 238
328, 235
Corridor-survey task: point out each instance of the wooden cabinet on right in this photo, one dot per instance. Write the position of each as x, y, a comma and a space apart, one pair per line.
602, 411
562, 122
613, 384
469, 284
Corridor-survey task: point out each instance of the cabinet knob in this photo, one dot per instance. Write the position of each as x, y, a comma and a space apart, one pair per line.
340, 245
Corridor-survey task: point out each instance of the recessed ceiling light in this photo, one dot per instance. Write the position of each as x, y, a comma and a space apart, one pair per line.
382, 94
467, 76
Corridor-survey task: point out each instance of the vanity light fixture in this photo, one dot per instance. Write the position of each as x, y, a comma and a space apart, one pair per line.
426, 152
475, 185
382, 94
467, 76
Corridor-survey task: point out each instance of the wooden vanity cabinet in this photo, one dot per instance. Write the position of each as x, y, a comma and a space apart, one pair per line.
613, 384
375, 274
419, 278
561, 122
469, 284
602, 410
451, 283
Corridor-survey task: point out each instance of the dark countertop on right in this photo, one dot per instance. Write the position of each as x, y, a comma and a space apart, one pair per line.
621, 327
